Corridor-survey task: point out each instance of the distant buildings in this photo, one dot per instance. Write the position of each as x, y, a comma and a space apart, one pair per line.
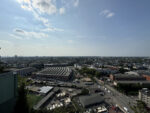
25, 71
144, 95
37, 65
56, 65
145, 74
55, 73
8, 91
128, 78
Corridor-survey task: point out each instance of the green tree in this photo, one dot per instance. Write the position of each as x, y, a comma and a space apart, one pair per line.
84, 91
140, 107
21, 103
122, 70
1, 67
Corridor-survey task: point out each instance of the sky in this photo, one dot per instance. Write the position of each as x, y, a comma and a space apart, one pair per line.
75, 27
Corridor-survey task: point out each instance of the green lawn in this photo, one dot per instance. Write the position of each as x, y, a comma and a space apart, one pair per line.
33, 99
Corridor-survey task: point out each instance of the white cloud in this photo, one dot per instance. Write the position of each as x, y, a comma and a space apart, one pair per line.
22, 34
76, 3
110, 15
45, 21
107, 13
16, 37
44, 6
62, 10
26, 7
5, 42
38, 7
52, 29
70, 41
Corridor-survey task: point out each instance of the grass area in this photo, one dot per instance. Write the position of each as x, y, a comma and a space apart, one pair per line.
68, 109
33, 99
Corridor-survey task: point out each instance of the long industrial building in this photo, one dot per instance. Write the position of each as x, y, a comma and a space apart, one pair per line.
126, 77
56, 73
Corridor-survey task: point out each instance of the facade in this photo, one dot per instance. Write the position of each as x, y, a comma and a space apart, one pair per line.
8, 91
147, 77
55, 73
126, 77
144, 95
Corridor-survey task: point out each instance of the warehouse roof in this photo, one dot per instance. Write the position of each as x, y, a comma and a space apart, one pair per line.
55, 71
90, 100
133, 82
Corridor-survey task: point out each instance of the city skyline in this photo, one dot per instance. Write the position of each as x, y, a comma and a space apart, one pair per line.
74, 28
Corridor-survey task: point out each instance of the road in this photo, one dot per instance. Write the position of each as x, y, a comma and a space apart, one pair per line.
120, 99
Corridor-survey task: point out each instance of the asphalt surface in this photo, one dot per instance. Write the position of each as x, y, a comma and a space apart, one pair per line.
117, 98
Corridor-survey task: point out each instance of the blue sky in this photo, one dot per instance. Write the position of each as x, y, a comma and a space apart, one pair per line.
75, 27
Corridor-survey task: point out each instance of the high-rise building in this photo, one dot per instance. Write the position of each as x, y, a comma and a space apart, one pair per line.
8, 91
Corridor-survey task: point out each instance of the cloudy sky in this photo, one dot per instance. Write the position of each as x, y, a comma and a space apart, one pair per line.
75, 27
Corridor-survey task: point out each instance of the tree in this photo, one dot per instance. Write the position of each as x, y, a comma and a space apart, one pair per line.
98, 74
21, 103
140, 107
84, 91
1, 67
122, 70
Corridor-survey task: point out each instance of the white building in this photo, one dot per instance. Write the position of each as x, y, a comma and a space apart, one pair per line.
144, 95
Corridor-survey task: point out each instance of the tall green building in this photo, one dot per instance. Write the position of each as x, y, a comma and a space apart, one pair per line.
8, 91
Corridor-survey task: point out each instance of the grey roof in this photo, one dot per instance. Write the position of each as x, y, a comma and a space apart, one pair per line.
43, 100
133, 82
126, 75
56, 71
90, 100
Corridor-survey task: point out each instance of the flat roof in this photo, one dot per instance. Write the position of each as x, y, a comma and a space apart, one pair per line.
45, 89
91, 100
43, 100
126, 75
132, 82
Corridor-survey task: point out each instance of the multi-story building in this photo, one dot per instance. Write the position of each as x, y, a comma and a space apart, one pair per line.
8, 91
144, 95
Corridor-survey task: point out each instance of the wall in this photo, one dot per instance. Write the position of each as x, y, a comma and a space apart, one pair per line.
8, 89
